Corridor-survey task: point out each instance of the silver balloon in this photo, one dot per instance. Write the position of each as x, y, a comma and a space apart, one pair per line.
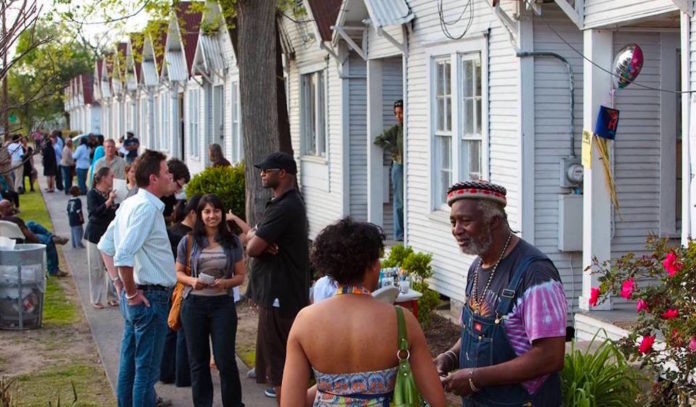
627, 65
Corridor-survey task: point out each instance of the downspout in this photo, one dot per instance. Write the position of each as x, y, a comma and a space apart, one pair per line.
571, 87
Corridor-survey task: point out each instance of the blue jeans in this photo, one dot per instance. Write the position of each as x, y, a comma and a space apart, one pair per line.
66, 171
46, 238
215, 318
397, 178
141, 349
76, 233
82, 180
175, 365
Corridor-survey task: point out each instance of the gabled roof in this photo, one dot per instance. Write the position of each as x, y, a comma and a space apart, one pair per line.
210, 56
87, 83
189, 19
325, 13
381, 13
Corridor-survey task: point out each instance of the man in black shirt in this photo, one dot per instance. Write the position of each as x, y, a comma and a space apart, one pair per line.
279, 280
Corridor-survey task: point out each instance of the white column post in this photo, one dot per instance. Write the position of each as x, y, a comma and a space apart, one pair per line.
375, 176
596, 239
687, 206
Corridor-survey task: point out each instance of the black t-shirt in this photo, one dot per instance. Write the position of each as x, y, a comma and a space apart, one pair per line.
177, 232
285, 276
131, 142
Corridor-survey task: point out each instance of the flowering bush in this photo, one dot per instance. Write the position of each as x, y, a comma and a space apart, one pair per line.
663, 285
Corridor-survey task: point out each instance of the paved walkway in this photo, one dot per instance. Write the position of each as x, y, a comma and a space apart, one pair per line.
107, 324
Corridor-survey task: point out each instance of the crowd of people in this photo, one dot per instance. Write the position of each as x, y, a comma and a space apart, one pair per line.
513, 324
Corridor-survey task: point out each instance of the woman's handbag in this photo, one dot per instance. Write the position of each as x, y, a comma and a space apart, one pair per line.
174, 319
406, 393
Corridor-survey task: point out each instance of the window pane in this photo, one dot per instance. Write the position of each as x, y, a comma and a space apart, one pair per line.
321, 133
443, 169
467, 80
447, 80
468, 116
478, 76
478, 116
471, 160
439, 79
440, 114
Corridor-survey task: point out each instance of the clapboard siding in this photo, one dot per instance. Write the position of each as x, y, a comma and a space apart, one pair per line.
429, 231
603, 12
357, 135
552, 138
321, 179
637, 151
379, 47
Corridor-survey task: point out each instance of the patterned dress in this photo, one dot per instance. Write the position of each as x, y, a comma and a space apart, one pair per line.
363, 389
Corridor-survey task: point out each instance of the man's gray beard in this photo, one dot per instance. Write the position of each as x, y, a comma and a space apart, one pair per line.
480, 246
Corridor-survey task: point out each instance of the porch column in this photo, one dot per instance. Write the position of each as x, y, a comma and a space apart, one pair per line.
596, 241
174, 139
375, 175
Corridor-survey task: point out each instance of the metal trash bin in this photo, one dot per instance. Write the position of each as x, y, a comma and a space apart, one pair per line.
22, 286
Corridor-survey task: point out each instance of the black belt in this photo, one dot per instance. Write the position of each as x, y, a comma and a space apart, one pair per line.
151, 287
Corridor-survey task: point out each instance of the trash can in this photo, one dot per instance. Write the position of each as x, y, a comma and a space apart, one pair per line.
22, 286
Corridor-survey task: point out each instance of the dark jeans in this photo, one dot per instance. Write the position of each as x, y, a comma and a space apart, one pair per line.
66, 172
216, 318
175, 365
82, 180
46, 237
59, 178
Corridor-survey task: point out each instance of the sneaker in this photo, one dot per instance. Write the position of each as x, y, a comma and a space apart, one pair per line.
251, 373
61, 240
160, 402
270, 392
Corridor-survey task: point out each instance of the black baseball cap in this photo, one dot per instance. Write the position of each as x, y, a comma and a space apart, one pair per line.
279, 160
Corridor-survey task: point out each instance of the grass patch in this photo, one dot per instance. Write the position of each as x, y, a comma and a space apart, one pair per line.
37, 389
58, 309
32, 207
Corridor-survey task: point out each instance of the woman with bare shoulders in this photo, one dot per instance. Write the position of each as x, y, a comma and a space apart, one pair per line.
350, 340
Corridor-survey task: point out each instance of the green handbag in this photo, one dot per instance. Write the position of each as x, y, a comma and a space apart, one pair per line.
405, 391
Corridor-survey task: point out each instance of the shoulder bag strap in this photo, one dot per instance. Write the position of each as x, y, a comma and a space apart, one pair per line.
189, 245
403, 338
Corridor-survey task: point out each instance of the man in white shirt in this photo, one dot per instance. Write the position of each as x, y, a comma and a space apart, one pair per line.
138, 245
17, 153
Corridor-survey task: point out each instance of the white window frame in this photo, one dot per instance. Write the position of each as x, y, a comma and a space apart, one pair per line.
164, 116
314, 131
237, 142
193, 119
142, 130
456, 53
155, 127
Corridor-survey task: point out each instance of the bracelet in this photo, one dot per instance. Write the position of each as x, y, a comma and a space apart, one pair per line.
130, 297
115, 279
452, 357
471, 382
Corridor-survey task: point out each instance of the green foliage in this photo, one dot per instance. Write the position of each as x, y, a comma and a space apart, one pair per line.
418, 264
7, 391
427, 303
397, 255
225, 182
74, 402
599, 378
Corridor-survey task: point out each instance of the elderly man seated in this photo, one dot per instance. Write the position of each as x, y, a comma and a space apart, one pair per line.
35, 233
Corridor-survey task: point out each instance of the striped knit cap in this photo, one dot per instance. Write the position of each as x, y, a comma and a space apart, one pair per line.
476, 190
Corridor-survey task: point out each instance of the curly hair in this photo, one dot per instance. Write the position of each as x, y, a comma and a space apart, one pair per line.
345, 249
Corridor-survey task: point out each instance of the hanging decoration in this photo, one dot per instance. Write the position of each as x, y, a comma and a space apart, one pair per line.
607, 123
627, 65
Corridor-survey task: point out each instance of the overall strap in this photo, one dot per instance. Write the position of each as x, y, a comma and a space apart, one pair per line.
510, 293
403, 339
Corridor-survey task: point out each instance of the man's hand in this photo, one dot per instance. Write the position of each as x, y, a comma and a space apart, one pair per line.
458, 383
272, 249
118, 285
138, 299
444, 363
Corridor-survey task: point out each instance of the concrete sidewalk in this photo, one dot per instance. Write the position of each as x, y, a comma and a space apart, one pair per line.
107, 324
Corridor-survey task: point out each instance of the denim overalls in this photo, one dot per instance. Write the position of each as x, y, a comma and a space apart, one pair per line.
484, 343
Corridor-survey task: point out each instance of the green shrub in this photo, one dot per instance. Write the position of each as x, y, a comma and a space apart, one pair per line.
225, 182
417, 265
599, 378
397, 255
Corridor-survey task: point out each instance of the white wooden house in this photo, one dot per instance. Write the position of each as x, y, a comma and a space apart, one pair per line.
148, 88
83, 109
107, 100
215, 72
120, 102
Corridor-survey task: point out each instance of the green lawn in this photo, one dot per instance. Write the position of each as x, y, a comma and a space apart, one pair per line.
32, 207
55, 383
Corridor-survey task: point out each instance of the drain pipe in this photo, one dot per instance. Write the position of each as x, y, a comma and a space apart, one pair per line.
571, 87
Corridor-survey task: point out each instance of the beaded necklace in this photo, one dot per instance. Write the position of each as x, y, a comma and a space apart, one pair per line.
352, 289
477, 301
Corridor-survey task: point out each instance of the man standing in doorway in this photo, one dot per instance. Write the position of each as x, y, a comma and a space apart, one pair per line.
513, 324
139, 246
111, 160
392, 139
279, 281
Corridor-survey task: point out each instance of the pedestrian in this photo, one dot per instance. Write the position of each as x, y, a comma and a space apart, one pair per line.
76, 218
50, 166
392, 140
58, 150
131, 145
279, 280
96, 154
37, 136
182, 176
131, 186
217, 159
29, 170
355, 355
101, 210
515, 300
208, 311
82, 164
111, 160
6, 165
67, 166
17, 154
175, 366
137, 243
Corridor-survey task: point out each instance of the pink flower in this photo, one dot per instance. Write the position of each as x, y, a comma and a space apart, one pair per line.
627, 288
642, 305
692, 344
646, 344
672, 266
594, 296
670, 313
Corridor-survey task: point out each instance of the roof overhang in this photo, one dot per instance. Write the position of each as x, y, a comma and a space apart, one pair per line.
209, 59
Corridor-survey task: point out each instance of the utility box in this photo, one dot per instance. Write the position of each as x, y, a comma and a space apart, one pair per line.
570, 223
22, 286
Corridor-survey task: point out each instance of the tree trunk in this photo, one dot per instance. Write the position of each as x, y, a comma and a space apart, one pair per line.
256, 53
283, 120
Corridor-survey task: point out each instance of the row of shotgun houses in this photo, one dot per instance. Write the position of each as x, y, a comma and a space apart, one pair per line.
493, 89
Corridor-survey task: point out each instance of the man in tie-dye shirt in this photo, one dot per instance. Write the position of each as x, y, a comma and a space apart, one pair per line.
512, 340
